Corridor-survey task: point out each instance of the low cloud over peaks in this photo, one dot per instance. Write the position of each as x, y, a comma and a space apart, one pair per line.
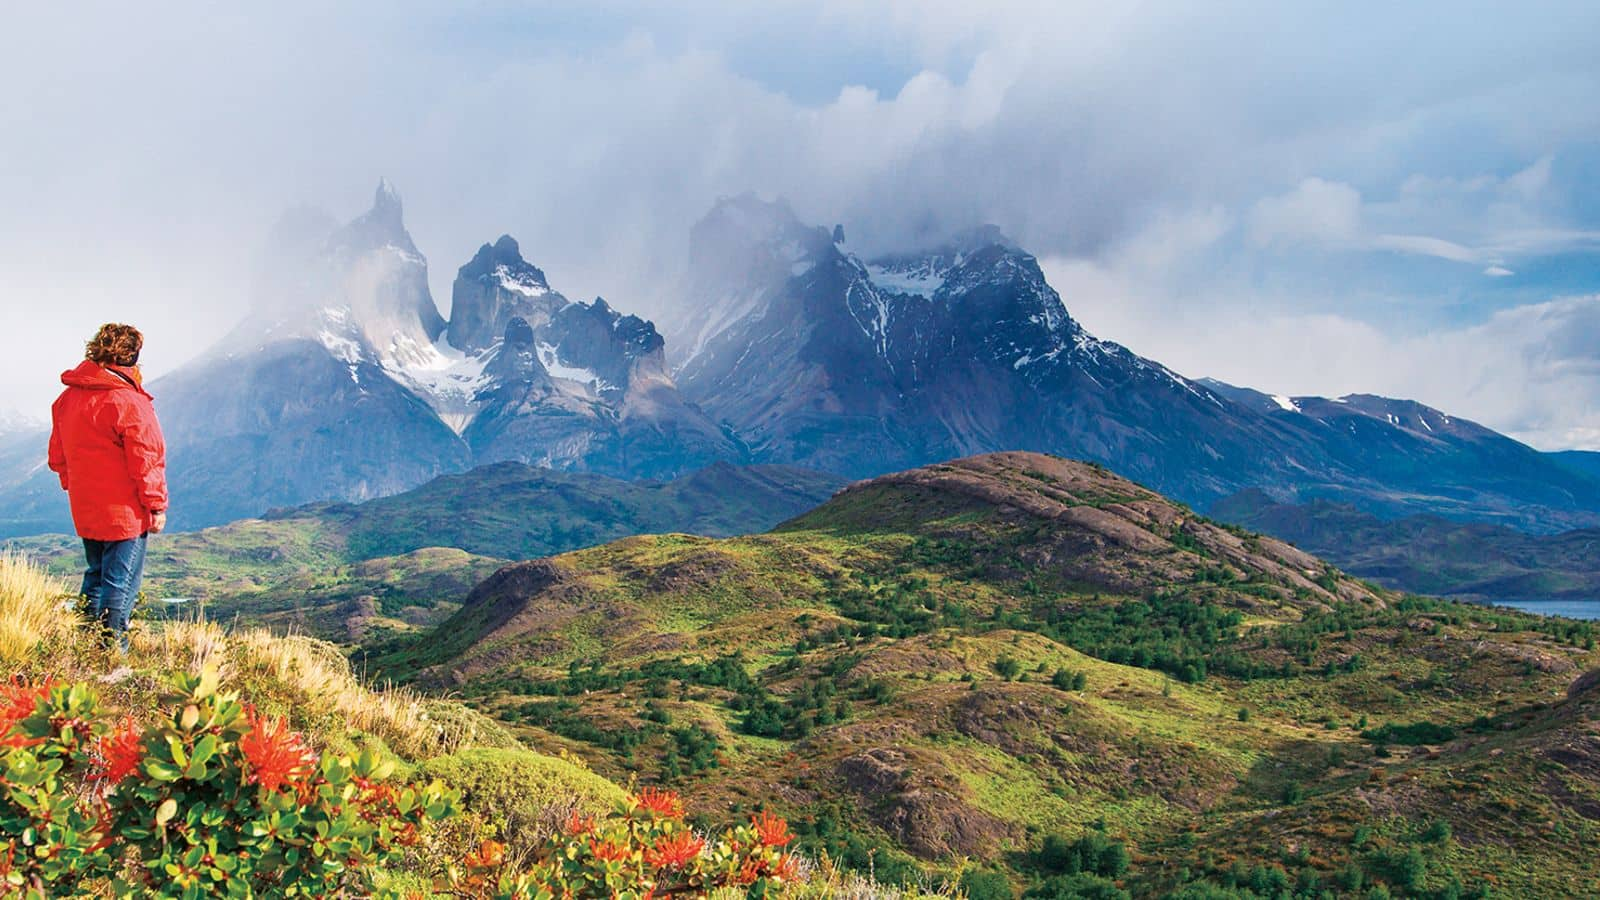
1247, 162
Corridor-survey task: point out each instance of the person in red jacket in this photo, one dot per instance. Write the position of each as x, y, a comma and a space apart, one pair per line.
106, 445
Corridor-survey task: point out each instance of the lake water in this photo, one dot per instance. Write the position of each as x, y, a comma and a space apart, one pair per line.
1572, 609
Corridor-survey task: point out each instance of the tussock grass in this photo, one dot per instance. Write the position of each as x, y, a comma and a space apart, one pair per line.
318, 671
35, 612
309, 680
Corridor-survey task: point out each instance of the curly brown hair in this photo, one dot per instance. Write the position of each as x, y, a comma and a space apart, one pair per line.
115, 345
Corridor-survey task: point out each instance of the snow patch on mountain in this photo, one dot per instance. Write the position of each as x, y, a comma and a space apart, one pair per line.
922, 279
449, 381
550, 358
520, 282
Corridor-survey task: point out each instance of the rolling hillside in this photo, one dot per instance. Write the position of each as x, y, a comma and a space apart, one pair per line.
1017, 667
353, 572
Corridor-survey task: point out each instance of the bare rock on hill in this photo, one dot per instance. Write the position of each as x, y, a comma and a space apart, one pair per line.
1583, 684
921, 805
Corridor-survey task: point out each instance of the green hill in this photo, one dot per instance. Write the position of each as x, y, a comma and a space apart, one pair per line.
1027, 665
354, 572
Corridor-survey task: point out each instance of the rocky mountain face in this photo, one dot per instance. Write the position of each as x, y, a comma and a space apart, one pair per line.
33, 502
819, 358
564, 381
346, 383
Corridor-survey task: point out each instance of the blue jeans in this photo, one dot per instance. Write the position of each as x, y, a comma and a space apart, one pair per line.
111, 583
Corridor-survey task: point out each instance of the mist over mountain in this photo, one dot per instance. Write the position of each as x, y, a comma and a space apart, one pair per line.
818, 357
783, 345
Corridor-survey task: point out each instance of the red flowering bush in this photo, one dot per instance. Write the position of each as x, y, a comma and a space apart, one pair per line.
215, 801
643, 850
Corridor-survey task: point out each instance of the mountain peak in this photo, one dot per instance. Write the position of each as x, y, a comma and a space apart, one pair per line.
496, 286
386, 207
978, 238
752, 213
746, 228
380, 227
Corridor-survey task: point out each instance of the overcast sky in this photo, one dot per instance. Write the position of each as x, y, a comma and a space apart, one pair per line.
1304, 198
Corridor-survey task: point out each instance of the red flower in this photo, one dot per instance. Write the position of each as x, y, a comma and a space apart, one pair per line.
578, 824
661, 803
275, 755
787, 868
607, 851
17, 702
674, 852
771, 830
748, 872
117, 754
489, 855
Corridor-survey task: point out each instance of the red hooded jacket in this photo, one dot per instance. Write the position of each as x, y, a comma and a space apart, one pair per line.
106, 445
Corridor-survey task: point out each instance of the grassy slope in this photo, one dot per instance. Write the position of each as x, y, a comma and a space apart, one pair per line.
514, 794
355, 572
945, 578
309, 683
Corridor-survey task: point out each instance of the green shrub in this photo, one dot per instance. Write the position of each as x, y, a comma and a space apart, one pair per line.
1082, 886
986, 884
215, 801
1007, 667
1069, 680
1412, 735
1093, 853
527, 794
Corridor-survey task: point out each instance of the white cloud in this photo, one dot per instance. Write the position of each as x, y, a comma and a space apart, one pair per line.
147, 148
1423, 245
1498, 272
1532, 371
1315, 211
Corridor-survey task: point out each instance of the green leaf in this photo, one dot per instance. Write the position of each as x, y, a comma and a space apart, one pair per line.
166, 811
161, 771
205, 748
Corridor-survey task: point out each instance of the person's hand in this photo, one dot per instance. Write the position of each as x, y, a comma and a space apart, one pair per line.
158, 522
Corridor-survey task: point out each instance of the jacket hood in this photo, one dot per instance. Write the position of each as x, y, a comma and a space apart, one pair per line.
92, 375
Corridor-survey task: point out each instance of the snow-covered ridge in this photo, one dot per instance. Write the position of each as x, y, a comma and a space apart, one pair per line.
523, 283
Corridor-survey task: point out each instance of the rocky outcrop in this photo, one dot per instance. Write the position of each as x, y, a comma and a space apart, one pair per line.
496, 286
921, 805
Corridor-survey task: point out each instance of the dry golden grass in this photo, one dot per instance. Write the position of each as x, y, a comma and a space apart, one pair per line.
36, 616
41, 635
316, 668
